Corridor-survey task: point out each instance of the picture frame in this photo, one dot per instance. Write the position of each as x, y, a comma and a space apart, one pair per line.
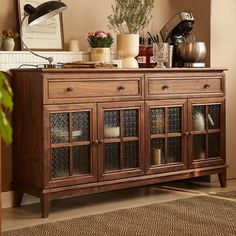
46, 36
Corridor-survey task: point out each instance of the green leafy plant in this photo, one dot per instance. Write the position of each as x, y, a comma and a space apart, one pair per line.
130, 16
6, 103
100, 39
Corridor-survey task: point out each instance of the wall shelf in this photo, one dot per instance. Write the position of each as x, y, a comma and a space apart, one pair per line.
13, 59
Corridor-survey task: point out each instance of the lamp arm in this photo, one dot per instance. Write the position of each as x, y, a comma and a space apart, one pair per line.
49, 59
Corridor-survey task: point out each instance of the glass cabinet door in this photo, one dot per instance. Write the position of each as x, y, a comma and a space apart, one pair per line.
71, 150
166, 136
206, 132
120, 140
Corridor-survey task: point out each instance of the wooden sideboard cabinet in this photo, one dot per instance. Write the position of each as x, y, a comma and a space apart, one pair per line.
84, 131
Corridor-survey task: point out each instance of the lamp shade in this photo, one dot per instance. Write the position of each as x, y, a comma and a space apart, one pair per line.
44, 11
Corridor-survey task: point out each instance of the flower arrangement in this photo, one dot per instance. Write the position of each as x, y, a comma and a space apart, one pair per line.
130, 16
100, 39
9, 34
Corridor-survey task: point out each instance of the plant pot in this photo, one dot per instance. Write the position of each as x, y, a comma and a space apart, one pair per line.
102, 55
128, 49
8, 44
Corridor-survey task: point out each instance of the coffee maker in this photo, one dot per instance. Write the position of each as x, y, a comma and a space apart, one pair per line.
176, 31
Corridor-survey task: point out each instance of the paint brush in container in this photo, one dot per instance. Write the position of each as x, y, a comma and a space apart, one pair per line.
152, 38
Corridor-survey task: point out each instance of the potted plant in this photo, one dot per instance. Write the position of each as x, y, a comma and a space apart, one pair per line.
128, 18
100, 43
5, 104
8, 43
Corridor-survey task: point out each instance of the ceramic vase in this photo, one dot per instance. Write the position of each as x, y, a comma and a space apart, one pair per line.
102, 55
8, 44
128, 49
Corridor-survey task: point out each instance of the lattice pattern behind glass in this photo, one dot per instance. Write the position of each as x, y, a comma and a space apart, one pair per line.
112, 124
130, 123
214, 145
130, 154
158, 151
174, 119
60, 162
199, 147
81, 160
158, 120
198, 118
80, 126
174, 149
214, 117
112, 156
59, 127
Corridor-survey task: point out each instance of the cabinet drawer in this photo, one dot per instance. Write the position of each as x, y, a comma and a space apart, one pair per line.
158, 86
93, 90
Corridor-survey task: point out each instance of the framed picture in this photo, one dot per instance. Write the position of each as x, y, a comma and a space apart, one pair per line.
45, 36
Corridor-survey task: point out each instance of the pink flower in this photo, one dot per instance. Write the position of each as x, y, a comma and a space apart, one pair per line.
102, 35
91, 33
100, 31
100, 38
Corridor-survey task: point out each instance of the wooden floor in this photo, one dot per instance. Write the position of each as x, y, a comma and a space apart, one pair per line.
27, 215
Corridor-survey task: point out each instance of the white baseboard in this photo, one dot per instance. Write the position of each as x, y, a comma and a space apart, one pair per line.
8, 199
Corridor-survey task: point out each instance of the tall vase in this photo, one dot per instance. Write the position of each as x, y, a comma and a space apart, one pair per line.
102, 55
128, 49
8, 44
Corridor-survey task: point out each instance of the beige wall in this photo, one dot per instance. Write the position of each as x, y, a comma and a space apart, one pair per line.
223, 54
8, 16
88, 15
84, 16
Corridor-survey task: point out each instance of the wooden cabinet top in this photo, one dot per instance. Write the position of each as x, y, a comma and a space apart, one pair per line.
139, 70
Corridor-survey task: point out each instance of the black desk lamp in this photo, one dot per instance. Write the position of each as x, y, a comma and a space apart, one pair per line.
41, 13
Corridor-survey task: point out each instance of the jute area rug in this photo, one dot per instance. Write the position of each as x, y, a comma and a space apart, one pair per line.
208, 215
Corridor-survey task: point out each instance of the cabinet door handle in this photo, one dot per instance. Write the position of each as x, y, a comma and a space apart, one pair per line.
70, 89
96, 141
186, 133
206, 86
165, 87
122, 87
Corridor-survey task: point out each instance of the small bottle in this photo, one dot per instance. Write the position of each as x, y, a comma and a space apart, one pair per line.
150, 61
141, 58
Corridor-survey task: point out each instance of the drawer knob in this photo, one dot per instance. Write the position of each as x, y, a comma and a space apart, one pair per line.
122, 87
206, 86
70, 89
165, 87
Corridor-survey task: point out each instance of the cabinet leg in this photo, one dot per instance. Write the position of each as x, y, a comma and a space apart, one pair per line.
222, 178
45, 205
18, 196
